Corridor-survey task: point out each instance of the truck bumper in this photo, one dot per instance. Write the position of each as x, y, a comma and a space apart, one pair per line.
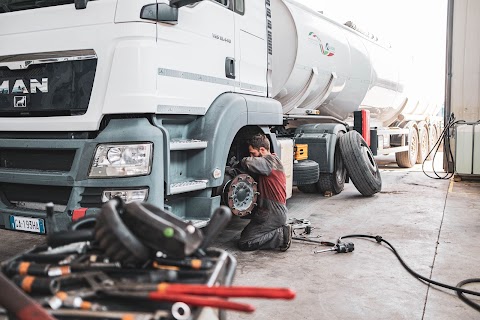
53, 167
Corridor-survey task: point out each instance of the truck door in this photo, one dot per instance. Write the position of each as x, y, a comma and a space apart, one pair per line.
251, 45
196, 57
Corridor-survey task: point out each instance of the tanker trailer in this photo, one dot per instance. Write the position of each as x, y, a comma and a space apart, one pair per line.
321, 67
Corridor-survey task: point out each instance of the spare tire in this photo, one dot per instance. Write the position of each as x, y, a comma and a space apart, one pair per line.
308, 188
360, 164
305, 172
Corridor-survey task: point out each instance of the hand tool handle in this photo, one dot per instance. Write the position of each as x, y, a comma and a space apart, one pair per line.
201, 301
219, 220
197, 264
27, 268
326, 250
17, 302
32, 284
61, 238
222, 291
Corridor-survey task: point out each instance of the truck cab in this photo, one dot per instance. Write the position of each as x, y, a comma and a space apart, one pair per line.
112, 98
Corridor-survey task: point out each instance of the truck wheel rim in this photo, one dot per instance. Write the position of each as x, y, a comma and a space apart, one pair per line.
369, 160
424, 143
413, 149
339, 168
241, 193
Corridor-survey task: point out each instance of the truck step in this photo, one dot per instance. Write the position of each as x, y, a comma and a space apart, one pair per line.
187, 186
187, 144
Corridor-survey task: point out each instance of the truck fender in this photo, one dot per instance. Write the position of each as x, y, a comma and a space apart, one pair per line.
229, 113
321, 139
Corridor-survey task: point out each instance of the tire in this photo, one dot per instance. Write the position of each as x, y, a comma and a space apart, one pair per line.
360, 164
433, 140
305, 172
407, 159
423, 145
334, 182
308, 188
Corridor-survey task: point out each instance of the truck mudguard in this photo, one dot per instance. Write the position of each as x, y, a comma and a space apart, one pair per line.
321, 139
226, 116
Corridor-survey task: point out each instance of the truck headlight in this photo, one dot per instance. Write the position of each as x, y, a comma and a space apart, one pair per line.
121, 160
125, 195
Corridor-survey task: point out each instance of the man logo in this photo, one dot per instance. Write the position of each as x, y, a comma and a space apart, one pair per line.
20, 87
20, 101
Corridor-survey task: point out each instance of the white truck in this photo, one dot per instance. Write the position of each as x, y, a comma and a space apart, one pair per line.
154, 101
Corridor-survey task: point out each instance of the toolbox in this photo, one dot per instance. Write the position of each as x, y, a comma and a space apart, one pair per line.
70, 294
130, 262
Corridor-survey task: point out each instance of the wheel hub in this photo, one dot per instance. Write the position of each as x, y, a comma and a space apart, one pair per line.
240, 194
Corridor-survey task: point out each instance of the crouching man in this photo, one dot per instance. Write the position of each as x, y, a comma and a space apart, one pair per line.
267, 228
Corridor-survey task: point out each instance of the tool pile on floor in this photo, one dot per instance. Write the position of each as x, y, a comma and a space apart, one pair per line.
302, 230
132, 261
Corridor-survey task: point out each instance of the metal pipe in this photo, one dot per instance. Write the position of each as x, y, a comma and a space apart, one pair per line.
448, 76
293, 117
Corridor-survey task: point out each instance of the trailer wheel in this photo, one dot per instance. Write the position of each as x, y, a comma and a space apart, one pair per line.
423, 144
407, 159
305, 172
308, 188
360, 164
433, 141
334, 182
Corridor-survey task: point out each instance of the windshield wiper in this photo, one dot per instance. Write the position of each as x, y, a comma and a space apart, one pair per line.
18, 5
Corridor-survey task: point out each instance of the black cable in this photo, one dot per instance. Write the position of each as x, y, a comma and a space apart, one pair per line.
446, 137
462, 297
460, 291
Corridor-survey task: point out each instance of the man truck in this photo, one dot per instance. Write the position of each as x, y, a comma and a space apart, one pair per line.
154, 101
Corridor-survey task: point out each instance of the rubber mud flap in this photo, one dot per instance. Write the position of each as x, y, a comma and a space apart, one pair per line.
361, 166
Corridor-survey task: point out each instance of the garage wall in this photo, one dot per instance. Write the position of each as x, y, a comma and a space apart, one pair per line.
465, 93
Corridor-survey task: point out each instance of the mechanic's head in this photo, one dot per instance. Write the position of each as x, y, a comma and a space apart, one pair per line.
258, 145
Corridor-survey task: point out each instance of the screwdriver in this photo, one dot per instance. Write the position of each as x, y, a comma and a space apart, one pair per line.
339, 248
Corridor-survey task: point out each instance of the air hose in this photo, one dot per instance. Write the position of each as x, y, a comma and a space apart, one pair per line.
458, 288
446, 137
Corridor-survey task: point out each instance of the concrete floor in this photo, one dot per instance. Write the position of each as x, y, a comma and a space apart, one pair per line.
433, 224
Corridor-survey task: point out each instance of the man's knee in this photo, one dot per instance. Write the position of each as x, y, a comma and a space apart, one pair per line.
248, 246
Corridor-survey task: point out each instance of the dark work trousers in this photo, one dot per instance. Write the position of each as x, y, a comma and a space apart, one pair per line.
265, 230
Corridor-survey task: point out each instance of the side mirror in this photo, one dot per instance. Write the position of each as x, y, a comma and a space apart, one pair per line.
181, 3
80, 4
161, 12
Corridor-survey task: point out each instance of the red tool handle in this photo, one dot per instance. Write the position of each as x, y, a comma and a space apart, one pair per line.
201, 301
222, 291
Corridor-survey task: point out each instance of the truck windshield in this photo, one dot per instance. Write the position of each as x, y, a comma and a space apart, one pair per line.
18, 5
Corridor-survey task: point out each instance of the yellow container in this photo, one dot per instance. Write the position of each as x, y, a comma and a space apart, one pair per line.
301, 151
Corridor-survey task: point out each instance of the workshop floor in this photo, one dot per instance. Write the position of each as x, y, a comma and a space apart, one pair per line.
433, 224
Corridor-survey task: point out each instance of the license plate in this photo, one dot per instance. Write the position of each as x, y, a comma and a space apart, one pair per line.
27, 224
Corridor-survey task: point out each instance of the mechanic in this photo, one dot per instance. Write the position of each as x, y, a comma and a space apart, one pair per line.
267, 228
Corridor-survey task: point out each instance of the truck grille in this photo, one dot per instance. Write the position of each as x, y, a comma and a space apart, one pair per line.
92, 198
36, 159
14, 192
46, 84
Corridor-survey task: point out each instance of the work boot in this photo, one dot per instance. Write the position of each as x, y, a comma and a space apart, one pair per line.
287, 237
